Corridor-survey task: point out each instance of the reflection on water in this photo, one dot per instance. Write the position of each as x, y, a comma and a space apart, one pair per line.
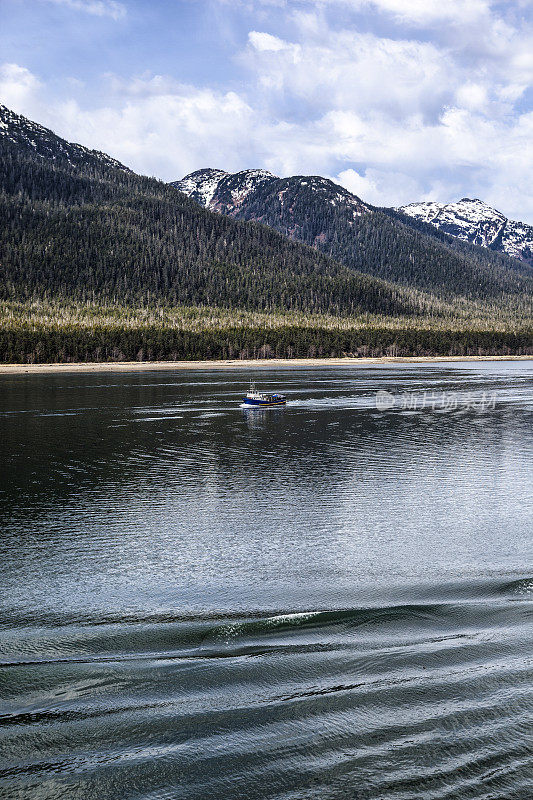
326, 600
262, 417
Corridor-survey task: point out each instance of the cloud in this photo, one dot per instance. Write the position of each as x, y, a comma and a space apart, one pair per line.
403, 113
154, 124
426, 12
373, 185
166, 134
264, 42
350, 70
394, 117
18, 87
99, 8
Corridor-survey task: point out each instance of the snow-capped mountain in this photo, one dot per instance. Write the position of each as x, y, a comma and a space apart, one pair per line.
249, 193
379, 242
229, 193
222, 191
475, 222
25, 133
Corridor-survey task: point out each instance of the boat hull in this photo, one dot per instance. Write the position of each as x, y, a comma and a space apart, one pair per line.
247, 401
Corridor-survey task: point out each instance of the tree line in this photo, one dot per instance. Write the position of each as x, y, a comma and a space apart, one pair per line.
47, 344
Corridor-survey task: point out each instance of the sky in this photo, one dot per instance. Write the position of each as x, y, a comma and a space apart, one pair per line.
397, 100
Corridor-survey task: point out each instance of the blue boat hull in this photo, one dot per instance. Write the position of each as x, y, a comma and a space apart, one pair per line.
264, 403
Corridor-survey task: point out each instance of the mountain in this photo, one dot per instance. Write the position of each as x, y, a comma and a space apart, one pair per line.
201, 185
28, 135
75, 223
475, 222
98, 263
229, 193
380, 242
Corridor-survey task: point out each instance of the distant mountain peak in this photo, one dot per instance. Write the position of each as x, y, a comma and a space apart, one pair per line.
256, 174
472, 220
228, 192
201, 184
336, 194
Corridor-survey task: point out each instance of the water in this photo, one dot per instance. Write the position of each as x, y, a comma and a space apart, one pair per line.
324, 601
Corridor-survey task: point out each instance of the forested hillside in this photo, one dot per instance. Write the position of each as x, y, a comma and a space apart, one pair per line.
99, 263
95, 231
376, 242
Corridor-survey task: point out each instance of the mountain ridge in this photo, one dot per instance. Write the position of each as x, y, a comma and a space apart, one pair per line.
79, 225
385, 243
469, 220
25, 133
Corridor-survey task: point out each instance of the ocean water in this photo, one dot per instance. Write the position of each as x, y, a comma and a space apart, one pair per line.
331, 600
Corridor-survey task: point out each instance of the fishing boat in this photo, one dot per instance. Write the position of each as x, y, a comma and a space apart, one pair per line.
262, 399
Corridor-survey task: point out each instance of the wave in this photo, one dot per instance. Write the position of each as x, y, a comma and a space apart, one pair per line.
381, 701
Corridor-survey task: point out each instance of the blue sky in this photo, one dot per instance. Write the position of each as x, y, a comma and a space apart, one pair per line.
398, 100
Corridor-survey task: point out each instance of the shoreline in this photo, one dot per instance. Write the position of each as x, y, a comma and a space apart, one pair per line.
147, 366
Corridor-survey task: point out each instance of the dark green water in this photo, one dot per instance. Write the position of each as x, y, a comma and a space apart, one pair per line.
324, 601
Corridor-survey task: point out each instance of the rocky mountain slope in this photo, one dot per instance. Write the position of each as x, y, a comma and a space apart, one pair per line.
43, 142
228, 193
475, 222
384, 243
221, 191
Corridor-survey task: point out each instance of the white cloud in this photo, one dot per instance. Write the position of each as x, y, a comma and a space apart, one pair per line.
349, 70
155, 125
18, 87
470, 29
394, 118
266, 42
165, 134
473, 96
419, 116
374, 185
99, 8
428, 12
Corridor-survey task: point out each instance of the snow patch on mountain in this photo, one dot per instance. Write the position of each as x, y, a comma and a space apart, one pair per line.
201, 185
475, 222
222, 191
233, 190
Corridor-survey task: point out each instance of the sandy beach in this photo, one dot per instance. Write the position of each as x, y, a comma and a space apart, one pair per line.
144, 366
